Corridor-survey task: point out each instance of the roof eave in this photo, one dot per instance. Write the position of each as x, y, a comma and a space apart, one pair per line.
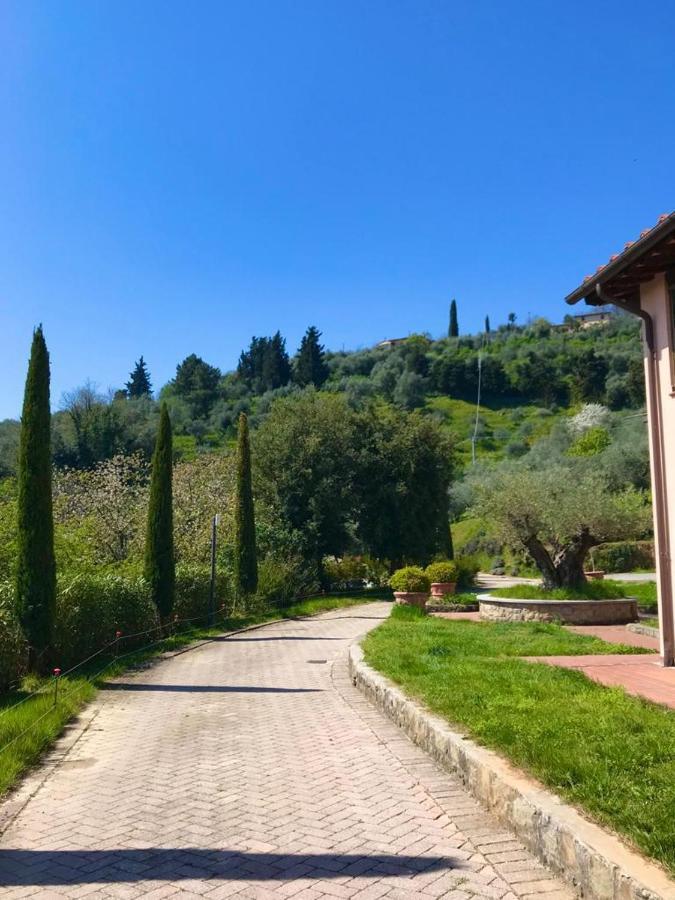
587, 290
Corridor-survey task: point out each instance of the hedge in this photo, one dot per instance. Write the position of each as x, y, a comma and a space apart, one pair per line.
623, 556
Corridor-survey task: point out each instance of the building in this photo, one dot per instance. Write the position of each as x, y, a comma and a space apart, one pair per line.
590, 320
390, 343
641, 280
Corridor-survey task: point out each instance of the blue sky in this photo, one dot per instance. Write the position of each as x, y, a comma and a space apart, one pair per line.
176, 177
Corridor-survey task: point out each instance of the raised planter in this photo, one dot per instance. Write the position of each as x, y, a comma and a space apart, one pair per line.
595, 575
443, 588
570, 612
437, 606
410, 598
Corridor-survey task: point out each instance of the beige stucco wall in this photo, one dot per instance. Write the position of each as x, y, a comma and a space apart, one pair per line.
654, 300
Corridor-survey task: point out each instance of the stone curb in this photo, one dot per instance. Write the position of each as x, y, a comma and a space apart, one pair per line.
594, 861
639, 628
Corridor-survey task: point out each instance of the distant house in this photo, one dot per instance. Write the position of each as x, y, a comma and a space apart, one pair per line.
390, 343
589, 320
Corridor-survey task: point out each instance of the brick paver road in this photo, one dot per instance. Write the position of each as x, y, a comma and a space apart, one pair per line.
250, 766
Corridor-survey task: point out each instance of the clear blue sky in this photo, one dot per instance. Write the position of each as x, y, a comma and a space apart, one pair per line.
178, 176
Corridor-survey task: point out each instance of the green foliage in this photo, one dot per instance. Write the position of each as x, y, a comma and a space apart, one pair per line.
442, 572
591, 442
592, 590
13, 648
265, 366
160, 570
310, 363
624, 556
196, 382
139, 384
341, 573
92, 607
36, 567
467, 569
282, 579
410, 579
245, 553
193, 587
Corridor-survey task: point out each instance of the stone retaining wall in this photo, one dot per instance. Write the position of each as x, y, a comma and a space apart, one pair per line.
596, 862
571, 612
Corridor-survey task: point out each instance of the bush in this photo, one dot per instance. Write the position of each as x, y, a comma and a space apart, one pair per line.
442, 572
193, 587
91, 608
592, 590
13, 647
624, 556
343, 573
281, 581
467, 569
410, 579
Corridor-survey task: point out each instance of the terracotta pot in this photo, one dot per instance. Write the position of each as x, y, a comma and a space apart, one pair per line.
595, 576
408, 598
443, 588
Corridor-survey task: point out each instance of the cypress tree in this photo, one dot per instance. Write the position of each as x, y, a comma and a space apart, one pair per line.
160, 567
36, 568
310, 363
487, 324
453, 330
245, 554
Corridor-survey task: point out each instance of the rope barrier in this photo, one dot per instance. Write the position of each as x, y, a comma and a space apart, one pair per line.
58, 674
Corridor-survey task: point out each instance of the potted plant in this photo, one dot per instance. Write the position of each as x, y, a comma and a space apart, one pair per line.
443, 578
410, 586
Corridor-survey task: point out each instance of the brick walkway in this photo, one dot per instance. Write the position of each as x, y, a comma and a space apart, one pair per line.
252, 767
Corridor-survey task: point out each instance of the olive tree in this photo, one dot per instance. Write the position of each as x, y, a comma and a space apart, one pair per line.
558, 515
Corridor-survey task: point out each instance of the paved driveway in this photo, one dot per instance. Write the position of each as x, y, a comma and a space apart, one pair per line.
250, 766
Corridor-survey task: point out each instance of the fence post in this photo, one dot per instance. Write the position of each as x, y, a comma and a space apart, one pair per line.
57, 674
118, 635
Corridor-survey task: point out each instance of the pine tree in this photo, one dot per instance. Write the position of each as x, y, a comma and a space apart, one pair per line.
310, 363
487, 324
453, 330
36, 568
160, 568
139, 384
245, 554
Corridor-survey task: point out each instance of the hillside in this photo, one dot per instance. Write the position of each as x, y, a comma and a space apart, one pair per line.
530, 377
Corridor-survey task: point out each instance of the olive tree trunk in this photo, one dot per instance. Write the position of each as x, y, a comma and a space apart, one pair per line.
564, 568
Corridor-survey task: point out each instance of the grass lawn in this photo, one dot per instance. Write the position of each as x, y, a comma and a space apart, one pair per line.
643, 591
611, 754
45, 720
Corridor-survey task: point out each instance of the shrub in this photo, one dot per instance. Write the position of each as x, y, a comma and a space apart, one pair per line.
342, 573
592, 590
442, 572
91, 608
467, 569
624, 556
13, 647
281, 581
410, 579
193, 588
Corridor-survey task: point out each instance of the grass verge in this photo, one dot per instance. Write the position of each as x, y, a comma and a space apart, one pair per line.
29, 725
609, 753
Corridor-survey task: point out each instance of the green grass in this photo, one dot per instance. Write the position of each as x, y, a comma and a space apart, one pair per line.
593, 590
43, 721
651, 623
601, 749
463, 599
643, 591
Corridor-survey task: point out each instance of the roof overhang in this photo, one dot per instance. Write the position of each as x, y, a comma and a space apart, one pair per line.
620, 278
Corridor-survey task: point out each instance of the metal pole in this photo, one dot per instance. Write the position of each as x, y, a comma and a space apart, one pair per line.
212, 591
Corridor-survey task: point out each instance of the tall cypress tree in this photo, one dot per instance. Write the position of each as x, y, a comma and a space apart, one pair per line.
487, 324
245, 553
310, 363
139, 384
36, 568
453, 330
160, 567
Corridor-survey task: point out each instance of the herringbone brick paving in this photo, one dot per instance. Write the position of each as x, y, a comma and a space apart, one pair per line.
252, 767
